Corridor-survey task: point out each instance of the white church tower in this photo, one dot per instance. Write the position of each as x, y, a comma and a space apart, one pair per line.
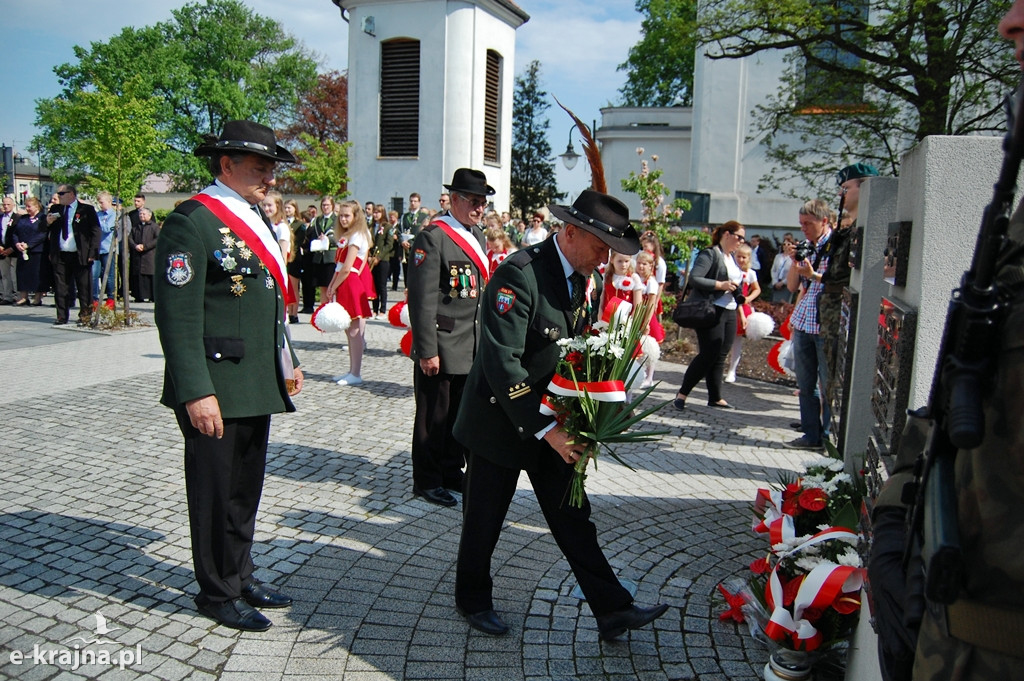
430, 86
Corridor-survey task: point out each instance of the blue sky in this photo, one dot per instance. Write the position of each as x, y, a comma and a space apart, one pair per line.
579, 45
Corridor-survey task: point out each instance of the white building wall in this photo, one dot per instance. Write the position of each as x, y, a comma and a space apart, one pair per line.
454, 38
724, 163
664, 132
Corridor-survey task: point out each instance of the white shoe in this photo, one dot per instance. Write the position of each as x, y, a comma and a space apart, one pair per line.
349, 379
730, 378
339, 379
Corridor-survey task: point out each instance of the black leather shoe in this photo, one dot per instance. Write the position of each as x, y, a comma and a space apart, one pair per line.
486, 621
259, 596
236, 614
437, 495
615, 624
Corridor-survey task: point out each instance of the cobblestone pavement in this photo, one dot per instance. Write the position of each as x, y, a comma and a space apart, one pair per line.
94, 522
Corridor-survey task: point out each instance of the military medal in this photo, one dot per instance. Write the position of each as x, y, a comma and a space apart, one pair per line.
228, 241
270, 281
228, 263
472, 284
464, 282
244, 253
237, 287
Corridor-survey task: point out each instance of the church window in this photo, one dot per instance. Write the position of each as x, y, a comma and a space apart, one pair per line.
492, 108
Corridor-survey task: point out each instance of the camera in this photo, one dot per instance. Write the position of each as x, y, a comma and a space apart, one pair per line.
738, 296
804, 249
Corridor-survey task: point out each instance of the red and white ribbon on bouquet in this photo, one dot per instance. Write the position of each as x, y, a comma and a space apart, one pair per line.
778, 525
602, 391
819, 589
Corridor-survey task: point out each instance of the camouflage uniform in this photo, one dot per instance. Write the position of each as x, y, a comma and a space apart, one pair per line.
990, 507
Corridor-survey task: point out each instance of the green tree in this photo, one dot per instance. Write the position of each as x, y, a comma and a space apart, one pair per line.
660, 67
659, 215
113, 138
864, 79
323, 169
533, 173
211, 62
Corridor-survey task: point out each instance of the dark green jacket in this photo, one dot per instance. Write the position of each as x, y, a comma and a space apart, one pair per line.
525, 310
216, 342
444, 322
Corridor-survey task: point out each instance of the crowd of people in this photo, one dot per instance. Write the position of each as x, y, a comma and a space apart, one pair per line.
69, 250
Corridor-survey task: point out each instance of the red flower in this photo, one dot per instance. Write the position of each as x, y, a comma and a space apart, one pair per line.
813, 499
760, 566
846, 603
812, 615
790, 506
735, 603
790, 588
575, 358
793, 488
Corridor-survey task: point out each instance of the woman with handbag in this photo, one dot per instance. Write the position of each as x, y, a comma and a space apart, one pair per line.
714, 276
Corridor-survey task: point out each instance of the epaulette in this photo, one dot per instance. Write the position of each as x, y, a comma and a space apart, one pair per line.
187, 207
522, 257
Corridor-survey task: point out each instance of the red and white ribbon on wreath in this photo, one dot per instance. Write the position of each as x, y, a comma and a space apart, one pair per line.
819, 590
778, 525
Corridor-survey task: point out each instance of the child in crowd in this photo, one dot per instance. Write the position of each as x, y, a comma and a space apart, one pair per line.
750, 290
620, 281
651, 296
499, 246
351, 283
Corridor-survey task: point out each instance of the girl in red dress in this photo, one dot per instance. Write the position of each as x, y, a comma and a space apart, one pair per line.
620, 281
499, 247
351, 284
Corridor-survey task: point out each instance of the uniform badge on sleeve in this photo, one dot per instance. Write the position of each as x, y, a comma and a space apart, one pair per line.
505, 299
417, 257
179, 269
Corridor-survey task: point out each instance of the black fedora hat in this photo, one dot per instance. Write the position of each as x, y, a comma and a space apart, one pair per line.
245, 137
469, 181
604, 216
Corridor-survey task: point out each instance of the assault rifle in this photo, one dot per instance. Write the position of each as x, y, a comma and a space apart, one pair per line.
963, 368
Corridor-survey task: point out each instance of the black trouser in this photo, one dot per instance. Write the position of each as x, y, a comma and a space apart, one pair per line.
308, 284
489, 490
714, 344
67, 272
437, 457
223, 484
380, 274
396, 269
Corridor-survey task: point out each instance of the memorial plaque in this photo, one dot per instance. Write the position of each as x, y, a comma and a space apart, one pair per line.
894, 359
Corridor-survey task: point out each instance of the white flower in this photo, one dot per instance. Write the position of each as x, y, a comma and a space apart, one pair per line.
639, 151
808, 563
849, 557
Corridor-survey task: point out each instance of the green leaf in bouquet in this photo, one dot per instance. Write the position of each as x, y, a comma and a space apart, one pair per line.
847, 517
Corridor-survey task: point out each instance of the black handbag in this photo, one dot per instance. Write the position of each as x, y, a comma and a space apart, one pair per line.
695, 311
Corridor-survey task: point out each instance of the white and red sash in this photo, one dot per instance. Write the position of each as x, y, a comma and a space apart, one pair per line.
244, 223
471, 247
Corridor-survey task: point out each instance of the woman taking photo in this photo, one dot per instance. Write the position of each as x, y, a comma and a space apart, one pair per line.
714, 275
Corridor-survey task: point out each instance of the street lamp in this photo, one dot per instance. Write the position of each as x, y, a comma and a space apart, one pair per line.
570, 157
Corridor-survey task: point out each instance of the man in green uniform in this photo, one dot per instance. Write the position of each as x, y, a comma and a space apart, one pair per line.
535, 298
837, 276
447, 273
220, 303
